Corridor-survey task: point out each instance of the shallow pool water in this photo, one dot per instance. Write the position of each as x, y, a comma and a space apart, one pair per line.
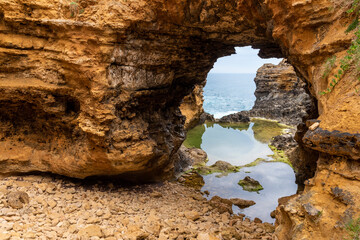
241, 144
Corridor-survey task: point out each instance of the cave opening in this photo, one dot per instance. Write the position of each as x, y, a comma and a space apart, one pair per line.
242, 147
230, 84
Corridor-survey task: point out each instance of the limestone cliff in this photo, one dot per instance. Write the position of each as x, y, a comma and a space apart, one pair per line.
94, 88
281, 95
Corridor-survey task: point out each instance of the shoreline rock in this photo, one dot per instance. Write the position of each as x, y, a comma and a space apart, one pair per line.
250, 184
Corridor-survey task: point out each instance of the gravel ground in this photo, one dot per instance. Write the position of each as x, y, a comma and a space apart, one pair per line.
54, 207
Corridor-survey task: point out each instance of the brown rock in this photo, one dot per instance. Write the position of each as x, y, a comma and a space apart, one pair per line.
242, 203
192, 215
273, 214
106, 101
275, 85
257, 220
192, 106
206, 236
90, 231
221, 204
17, 199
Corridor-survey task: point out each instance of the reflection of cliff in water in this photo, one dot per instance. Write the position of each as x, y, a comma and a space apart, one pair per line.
243, 144
265, 130
194, 137
235, 126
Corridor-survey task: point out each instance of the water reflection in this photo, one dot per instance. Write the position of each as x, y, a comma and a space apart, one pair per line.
241, 144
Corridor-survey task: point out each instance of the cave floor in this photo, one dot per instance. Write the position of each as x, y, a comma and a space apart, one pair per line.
54, 207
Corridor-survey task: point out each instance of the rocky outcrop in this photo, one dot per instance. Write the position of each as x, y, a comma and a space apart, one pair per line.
281, 95
234, 118
94, 87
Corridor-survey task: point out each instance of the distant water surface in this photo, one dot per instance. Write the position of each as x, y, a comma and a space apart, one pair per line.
227, 93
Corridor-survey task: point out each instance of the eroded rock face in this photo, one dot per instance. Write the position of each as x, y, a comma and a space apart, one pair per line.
281, 95
95, 89
192, 107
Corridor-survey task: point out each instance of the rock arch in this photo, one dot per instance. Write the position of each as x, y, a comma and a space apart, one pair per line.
125, 66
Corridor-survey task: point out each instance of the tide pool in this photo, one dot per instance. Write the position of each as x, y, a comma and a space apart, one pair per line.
241, 144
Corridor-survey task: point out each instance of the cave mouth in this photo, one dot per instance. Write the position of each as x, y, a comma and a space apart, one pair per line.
230, 84
241, 150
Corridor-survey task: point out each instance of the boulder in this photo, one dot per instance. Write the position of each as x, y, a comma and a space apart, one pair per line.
242, 203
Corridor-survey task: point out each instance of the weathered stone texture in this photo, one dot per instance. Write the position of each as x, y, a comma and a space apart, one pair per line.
281, 95
95, 89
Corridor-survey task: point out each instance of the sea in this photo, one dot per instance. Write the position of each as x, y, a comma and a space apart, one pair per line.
227, 93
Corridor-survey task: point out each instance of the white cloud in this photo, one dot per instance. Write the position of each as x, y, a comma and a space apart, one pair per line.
245, 60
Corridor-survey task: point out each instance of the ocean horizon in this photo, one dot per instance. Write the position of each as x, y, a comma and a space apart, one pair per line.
227, 93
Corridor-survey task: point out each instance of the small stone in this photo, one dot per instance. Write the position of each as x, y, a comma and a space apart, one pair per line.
17, 199
90, 231
273, 214
221, 204
206, 236
155, 195
5, 236
242, 203
28, 235
192, 215
73, 228
52, 203
314, 126
99, 213
250, 184
257, 220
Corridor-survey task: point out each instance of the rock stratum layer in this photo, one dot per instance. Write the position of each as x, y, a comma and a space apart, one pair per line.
94, 87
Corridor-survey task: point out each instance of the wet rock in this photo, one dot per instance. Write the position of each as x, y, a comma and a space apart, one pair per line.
206, 117
192, 179
234, 118
187, 157
250, 184
218, 167
17, 199
242, 203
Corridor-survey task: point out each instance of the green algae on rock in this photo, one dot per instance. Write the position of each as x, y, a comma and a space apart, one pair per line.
192, 179
251, 185
219, 167
279, 156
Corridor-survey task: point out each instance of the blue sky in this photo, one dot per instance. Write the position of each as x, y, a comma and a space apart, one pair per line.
245, 60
